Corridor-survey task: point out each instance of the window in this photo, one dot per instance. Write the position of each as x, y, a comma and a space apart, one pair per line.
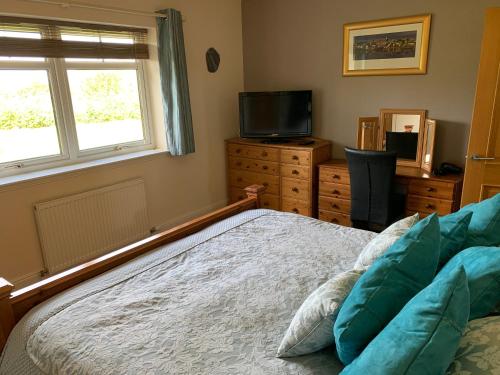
69, 92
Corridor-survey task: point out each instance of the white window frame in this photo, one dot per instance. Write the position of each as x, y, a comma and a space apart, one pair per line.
65, 120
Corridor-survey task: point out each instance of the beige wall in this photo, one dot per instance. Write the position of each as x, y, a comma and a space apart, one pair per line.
177, 188
297, 44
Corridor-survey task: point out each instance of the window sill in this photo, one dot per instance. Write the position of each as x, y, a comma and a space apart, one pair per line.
31, 176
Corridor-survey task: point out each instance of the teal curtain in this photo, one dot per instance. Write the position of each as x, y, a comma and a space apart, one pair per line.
174, 83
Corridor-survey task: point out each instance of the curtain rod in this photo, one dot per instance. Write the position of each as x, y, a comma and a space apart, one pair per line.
95, 7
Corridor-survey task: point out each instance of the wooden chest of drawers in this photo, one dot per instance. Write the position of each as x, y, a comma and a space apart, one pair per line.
425, 193
288, 171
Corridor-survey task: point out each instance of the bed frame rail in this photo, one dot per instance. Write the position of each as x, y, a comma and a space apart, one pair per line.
15, 304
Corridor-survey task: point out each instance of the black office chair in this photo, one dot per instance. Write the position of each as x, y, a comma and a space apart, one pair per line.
374, 204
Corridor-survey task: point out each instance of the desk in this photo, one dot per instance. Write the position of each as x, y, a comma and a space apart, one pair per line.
424, 192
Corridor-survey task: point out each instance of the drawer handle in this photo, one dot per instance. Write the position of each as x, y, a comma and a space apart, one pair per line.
239, 179
430, 206
295, 171
336, 192
336, 177
295, 210
295, 157
295, 190
238, 164
265, 167
430, 189
265, 184
238, 150
264, 153
334, 220
335, 205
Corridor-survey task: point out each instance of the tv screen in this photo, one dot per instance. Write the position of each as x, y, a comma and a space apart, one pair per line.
282, 114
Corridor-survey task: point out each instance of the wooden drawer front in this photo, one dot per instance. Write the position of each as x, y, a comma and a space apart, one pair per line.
270, 201
296, 189
261, 153
296, 157
295, 171
433, 189
242, 179
335, 204
429, 205
296, 206
330, 189
421, 215
336, 175
335, 218
252, 165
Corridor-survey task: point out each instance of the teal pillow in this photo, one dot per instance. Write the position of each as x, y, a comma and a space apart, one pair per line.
482, 266
484, 227
453, 230
424, 336
407, 267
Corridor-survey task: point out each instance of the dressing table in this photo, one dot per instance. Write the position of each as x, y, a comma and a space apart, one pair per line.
411, 135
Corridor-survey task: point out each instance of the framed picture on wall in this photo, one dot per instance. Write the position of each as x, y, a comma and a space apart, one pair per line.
387, 47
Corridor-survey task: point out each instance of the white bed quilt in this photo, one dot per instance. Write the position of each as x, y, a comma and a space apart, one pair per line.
217, 302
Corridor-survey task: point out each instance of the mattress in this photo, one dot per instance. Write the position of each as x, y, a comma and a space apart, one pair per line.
217, 302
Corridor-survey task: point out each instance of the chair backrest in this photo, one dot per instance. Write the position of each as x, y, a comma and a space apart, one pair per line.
372, 176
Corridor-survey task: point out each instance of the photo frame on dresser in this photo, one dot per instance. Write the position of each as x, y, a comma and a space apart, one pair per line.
387, 47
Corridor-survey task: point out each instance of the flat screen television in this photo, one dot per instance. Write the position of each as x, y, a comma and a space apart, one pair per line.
277, 114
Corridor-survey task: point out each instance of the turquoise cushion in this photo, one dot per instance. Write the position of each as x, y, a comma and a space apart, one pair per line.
484, 227
424, 336
482, 266
453, 229
407, 267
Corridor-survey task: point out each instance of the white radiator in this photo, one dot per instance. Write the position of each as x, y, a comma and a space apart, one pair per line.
80, 227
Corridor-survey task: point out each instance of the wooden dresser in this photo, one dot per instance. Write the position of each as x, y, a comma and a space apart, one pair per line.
288, 171
425, 193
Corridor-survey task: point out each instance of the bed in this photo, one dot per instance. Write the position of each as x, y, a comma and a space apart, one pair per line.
217, 301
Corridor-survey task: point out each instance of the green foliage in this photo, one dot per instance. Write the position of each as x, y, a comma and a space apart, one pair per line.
103, 98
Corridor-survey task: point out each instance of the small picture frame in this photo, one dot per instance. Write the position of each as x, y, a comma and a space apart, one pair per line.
387, 47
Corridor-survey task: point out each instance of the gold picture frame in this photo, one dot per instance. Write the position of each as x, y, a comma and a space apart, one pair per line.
387, 47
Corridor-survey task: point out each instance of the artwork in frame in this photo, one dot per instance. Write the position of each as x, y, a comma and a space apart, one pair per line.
387, 47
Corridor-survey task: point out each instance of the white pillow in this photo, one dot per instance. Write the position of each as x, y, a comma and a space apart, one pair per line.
311, 328
383, 241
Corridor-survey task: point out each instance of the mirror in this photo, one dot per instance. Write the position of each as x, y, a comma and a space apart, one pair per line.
403, 130
428, 147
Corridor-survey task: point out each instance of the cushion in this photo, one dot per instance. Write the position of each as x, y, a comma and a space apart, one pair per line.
404, 270
424, 336
479, 349
311, 327
484, 227
482, 266
453, 229
383, 241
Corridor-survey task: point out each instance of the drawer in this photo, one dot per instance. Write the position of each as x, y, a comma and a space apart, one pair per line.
337, 175
433, 189
335, 218
421, 215
253, 152
253, 165
295, 189
335, 204
242, 179
419, 204
296, 157
295, 171
296, 206
331, 189
270, 201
